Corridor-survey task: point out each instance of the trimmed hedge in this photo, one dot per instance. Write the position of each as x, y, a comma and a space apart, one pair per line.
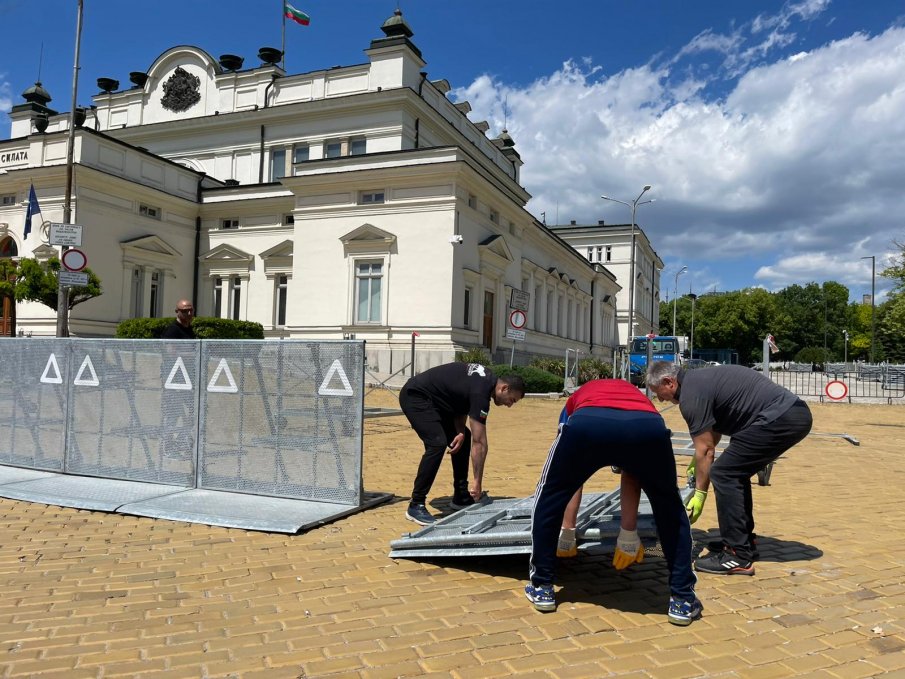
537, 381
204, 327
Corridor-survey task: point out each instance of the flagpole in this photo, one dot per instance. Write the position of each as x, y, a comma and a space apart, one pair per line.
283, 45
62, 291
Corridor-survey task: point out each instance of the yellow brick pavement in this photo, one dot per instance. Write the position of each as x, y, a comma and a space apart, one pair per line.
87, 594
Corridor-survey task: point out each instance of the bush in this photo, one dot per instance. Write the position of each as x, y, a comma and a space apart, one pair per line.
554, 366
593, 369
474, 355
204, 327
537, 381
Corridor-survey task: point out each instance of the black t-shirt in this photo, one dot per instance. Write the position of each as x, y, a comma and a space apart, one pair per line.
457, 389
176, 330
729, 398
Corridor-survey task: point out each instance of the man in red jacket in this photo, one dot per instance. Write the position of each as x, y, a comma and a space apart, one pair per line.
612, 423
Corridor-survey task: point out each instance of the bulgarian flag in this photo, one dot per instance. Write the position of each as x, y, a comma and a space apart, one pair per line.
296, 15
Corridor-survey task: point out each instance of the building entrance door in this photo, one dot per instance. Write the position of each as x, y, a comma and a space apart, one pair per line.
488, 320
8, 304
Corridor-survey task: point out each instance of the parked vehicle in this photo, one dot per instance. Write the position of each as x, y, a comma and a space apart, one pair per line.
663, 348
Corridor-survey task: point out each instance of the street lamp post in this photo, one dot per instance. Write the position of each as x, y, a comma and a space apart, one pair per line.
675, 297
631, 276
691, 341
845, 350
873, 302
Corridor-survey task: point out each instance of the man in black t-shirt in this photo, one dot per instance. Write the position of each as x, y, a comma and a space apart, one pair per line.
181, 327
436, 403
764, 421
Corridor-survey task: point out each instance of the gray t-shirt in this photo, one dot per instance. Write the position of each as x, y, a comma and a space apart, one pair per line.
729, 398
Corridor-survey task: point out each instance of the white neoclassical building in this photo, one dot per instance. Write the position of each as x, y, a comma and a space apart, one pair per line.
350, 201
609, 245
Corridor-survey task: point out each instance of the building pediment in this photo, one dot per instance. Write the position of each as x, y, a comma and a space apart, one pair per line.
283, 249
225, 253
278, 259
150, 251
368, 238
150, 245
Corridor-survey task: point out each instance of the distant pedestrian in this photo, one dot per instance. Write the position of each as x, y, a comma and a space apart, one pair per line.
181, 327
437, 403
764, 421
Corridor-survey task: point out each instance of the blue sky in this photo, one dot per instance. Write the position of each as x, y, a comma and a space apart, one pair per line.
773, 133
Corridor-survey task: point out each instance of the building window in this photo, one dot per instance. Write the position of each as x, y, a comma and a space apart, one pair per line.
218, 296
149, 211
467, 308
300, 153
229, 223
8, 199
135, 304
333, 149
494, 216
590, 254
609, 253
156, 294
368, 280
235, 297
358, 147
288, 219
282, 291
472, 201
370, 197
599, 253
277, 164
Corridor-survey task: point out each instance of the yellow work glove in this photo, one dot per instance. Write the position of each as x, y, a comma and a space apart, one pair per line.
689, 470
696, 505
629, 549
567, 546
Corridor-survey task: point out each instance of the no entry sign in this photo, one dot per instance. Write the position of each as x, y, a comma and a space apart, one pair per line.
74, 259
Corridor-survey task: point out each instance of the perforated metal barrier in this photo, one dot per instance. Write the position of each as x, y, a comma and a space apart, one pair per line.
252, 434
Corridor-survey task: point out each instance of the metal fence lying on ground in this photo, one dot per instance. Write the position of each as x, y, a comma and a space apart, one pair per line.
251, 434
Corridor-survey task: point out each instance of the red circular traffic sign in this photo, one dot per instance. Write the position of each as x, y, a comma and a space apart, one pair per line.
836, 390
74, 259
518, 319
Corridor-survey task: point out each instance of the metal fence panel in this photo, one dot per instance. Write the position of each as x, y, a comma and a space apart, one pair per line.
133, 411
33, 399
283, 418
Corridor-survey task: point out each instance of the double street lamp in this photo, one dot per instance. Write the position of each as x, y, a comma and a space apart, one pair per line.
675, 297
631, 276
873, 303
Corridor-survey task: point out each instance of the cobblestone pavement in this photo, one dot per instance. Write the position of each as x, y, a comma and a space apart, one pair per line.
87, 594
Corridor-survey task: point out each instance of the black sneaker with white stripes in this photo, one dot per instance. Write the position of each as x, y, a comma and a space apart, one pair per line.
724, 563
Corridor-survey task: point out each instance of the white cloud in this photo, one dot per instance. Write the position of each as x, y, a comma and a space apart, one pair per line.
800, 165
6, 98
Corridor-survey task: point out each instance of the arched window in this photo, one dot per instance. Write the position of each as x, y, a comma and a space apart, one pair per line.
8, 247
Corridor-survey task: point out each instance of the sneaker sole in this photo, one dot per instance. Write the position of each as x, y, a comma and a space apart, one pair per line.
542, 607
724, 571
419, 521
681, 622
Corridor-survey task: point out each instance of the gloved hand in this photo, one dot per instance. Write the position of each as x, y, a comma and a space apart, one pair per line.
696, 505
567, 546
689, 470
629, 549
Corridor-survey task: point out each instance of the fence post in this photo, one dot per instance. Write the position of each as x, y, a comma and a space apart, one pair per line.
412, 366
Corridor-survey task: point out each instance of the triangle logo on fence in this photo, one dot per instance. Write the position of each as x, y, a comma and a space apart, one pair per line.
46, 377
222, 368
336, 368
186, 384
91, 381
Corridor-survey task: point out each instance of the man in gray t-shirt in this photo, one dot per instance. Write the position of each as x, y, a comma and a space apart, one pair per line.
764, 421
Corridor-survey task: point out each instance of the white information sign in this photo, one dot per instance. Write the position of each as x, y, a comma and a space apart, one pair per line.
65, 234
518, 299
72, 278
517, 335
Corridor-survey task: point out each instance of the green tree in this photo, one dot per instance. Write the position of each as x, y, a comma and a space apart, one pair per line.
37, 282
891, 314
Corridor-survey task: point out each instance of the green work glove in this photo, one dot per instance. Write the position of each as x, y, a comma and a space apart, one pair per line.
696, 505
629, 549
